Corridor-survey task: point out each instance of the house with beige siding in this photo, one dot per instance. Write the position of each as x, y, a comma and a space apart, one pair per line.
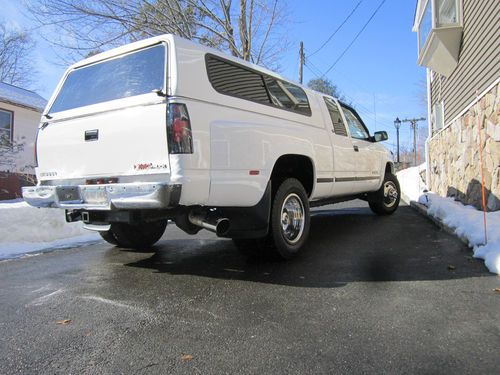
20, 112
458, 43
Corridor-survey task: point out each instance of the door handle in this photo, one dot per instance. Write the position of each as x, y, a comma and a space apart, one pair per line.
356, 148
92, 135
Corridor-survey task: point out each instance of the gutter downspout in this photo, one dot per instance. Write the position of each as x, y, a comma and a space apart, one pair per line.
429, 131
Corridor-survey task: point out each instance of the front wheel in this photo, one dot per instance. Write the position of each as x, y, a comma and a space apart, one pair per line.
386, 200
135, 236
290, 219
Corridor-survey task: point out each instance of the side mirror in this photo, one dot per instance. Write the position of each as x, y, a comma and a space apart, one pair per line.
380, 136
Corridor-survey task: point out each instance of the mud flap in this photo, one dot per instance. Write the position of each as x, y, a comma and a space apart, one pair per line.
249, 222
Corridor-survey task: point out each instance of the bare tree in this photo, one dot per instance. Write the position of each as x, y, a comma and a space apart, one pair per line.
250, 29
9, 149
16, 65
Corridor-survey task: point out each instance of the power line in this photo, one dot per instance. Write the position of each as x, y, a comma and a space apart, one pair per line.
309, 66
361, 108
355, 38
337, 29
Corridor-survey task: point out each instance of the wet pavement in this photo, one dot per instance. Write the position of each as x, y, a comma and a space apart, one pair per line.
368, 294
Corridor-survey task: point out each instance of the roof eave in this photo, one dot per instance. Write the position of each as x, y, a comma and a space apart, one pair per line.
10, 102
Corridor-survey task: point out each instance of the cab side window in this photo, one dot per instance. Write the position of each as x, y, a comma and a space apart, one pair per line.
356, 128
336, 117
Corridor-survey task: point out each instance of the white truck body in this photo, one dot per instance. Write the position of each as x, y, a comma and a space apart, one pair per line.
112, 155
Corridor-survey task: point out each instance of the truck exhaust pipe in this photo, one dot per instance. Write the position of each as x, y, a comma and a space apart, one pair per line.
219, 226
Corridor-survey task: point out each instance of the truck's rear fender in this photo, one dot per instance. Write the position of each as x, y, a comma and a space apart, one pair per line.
244, 155
296, 166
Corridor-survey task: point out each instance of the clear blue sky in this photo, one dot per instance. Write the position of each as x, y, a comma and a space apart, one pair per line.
378, 74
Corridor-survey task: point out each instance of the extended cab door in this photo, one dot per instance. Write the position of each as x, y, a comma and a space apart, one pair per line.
344, 155
368, 168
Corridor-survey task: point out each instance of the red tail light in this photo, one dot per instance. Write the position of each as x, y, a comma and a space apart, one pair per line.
180, 140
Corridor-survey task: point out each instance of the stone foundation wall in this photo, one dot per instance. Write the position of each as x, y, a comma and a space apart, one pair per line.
454, 155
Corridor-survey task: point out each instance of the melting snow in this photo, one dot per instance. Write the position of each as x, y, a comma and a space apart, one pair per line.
466, 221
26, 230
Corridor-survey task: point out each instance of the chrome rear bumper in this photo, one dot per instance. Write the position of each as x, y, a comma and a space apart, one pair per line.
105, 197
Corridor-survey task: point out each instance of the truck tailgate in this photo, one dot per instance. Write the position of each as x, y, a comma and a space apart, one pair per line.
126, 141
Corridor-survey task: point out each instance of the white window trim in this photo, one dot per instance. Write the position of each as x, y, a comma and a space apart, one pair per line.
460, 21
11, 113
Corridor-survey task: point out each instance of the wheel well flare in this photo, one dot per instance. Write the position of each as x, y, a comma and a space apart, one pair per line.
297, 166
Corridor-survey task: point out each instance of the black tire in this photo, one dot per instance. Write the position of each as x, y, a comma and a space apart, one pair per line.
139, 236
109, 237
290, 198
386, 200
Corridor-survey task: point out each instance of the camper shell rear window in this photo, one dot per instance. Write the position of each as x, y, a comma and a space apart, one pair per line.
131, 74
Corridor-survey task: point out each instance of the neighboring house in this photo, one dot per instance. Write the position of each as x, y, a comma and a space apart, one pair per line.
20, 112
458, 42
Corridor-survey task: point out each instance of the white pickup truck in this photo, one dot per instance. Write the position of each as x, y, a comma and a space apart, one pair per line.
165, 129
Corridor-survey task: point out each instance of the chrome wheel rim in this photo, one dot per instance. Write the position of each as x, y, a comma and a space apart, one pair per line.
390, 193
292, 218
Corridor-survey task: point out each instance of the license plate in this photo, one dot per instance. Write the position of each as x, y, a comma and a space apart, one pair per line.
95, 195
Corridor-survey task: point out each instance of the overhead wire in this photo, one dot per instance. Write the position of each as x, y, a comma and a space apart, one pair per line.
354, 39
361, 108
337, 29
317, 73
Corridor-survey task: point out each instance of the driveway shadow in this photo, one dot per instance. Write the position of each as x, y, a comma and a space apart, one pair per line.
344, 246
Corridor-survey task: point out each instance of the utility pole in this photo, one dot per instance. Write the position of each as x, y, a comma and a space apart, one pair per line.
301, 61
413, 123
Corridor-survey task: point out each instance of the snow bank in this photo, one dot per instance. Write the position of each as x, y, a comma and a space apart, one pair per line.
466, 221
25, 229
411, 183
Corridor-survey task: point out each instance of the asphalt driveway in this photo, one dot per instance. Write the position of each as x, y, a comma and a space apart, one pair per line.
368, 295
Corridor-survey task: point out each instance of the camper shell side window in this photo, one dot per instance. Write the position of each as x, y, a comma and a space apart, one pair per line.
233, 79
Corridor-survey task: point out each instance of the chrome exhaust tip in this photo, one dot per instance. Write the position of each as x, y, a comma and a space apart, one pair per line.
219, 226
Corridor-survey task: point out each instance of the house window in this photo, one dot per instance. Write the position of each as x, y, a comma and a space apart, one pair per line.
425, 26
439, 27
447, 13
6, 125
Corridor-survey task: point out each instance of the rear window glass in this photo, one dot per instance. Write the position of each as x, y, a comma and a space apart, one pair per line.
129, 75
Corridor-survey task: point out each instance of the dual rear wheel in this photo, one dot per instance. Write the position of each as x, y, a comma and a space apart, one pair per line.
135, 236
289, 223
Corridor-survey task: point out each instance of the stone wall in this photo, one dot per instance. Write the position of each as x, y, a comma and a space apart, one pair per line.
454, 154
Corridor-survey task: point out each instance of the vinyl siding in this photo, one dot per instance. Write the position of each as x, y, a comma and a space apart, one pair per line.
479, 59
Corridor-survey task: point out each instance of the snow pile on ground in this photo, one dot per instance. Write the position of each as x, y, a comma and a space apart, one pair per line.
466, 221
412, 185
25, 229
